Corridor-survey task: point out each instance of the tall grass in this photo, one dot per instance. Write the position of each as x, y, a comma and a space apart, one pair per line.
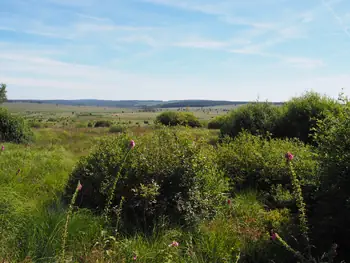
33, 218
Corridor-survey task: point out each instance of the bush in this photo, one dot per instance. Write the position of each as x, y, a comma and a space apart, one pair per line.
14, 129
166, 175
332, 213
301, 114
252, 162
217, 122
243, 226
102, 123
256, 118
170, 118
35, 124
117, 129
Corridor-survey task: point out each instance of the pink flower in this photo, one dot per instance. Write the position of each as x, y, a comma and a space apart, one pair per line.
174, 244
2, 148
134, 257
273, 235
289, 156
132, 144
79, 187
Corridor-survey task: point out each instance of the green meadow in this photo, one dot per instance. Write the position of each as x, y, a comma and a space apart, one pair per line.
249, 184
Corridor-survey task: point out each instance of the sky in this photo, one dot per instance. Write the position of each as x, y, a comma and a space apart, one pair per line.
174, 49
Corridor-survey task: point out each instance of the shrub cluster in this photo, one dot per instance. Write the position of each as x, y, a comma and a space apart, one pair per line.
332, 210
252, 162
295, 119
217, 123
13, 128
165, 175
257, 118
171, 118
102, 123
300, 115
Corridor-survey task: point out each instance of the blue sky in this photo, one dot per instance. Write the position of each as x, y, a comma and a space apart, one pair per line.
174, 49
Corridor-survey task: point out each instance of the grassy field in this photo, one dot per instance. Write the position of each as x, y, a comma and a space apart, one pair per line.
32, 223
153, 194
47, 112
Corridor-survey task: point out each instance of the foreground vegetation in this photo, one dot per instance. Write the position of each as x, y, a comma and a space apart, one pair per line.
257, 191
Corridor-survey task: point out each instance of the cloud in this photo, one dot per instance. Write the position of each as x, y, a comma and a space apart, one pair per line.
31, 75
202, 44
306, 63
74, 3
307, 17
292, 32
339, 19
223, 10
101, 49
138, 38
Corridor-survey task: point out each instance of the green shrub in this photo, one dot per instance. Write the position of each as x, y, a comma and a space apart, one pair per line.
252, 162
14, 129
217, 122
102, 123
332, 211
301, 114
243, 226
34, 124
117, 129
170, 118
166, 175
256, 118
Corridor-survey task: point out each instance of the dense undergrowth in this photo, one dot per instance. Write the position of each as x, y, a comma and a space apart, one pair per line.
181, 194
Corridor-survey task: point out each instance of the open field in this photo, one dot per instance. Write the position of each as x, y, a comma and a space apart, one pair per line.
54, 115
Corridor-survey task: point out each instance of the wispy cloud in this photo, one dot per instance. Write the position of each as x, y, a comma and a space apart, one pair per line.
160, 47
340, 21
202, 44
306, 63
307, 17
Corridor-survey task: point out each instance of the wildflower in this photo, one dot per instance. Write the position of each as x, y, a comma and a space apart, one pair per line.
134, 257
289, 156
132, 144
2, 148
273, 235
79, 186
18, 171
174, 244
229, 201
